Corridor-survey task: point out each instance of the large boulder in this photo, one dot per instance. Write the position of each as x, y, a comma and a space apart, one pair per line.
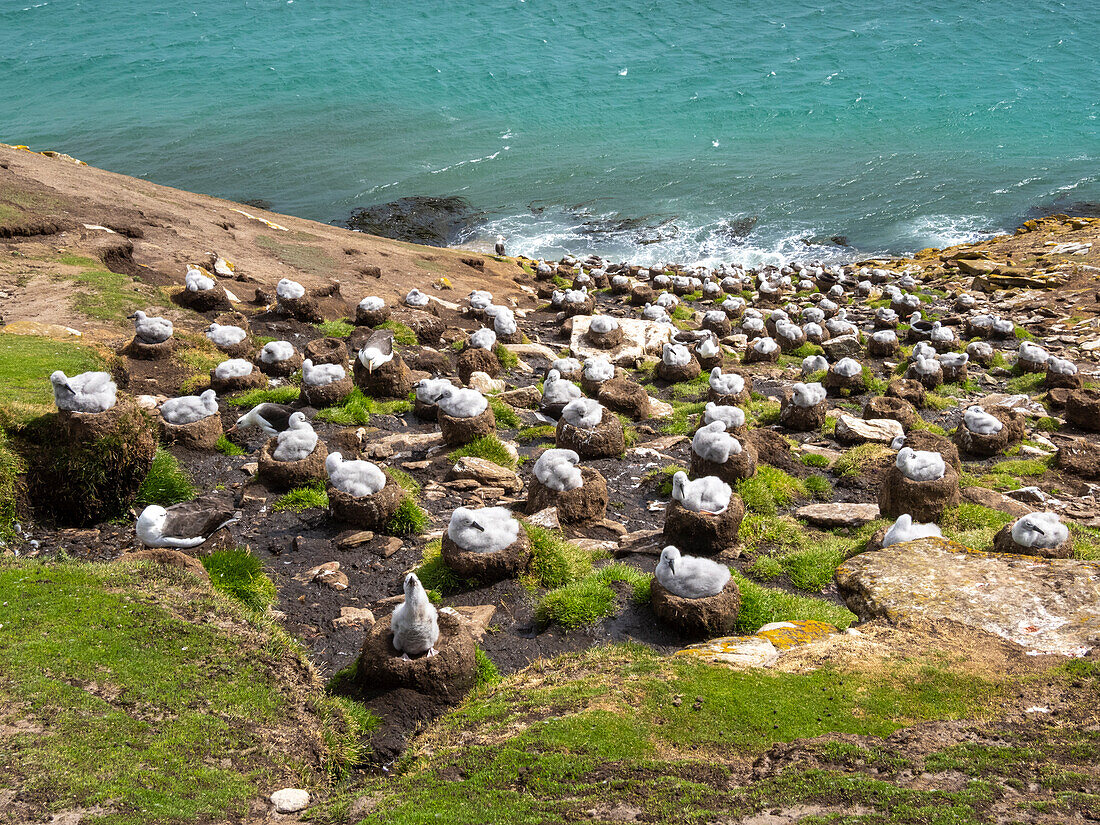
640, 339
1045, 605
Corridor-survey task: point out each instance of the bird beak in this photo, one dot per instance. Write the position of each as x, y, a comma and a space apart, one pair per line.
1039, 530
672, 566
477, 526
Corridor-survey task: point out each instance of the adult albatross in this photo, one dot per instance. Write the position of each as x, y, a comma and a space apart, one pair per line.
187, 524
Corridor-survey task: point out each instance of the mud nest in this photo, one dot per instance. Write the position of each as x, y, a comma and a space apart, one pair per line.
1004, 543
736, 467
704, 534
605, 440
584, 504
285, 475
459, 431
391, 380
450, 674
491, 566
198, 435
923, 500
368, 512
698, 618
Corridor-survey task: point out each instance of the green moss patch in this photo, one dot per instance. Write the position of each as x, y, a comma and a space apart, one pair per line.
587, 600
26, 362
341, 328
272, 395
166, 483
303, 498
488, 447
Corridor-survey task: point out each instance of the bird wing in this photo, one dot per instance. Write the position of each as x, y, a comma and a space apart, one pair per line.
200, 517
277, 415
381, 340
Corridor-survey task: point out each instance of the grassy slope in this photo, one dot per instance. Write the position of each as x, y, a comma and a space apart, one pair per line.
139, 691
586, 736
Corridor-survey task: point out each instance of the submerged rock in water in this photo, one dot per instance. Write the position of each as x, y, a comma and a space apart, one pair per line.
1044, 605
419, 219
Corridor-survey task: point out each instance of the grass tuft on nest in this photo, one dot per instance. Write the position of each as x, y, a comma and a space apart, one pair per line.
769, 489
166, 482
555, 562
508, 359
356, 409
857, 458
11, 465
402, 333
488, 447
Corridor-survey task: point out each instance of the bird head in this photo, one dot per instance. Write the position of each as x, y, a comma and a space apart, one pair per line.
679, 481
670, 555
297, 420
332, 462
59, 379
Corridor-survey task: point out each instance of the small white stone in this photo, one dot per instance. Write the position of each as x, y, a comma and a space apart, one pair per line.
290, 800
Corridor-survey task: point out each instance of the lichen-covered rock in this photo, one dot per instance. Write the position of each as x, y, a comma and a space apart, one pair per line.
704, 534
711, 616
581, 504
491, 566
1045, 605
924, 500
450, 674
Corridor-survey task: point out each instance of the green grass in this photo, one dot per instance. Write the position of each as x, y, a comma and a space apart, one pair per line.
273, 395
240, 575
434, 573
537, 433
508, 359
762, 605
1023, 335
166, 483
973, 525
683, 418
26, 362
815, 460
11, 465
488, 447
764, 411
590, 599
505, 416
819, 487
108, 296
1028, 383
164, 701
1026, 467
409, 519
341, 328
770, 489
1086, 541
227, 447
487, 673
555, 562
402, 334
855, 459
356, 409
939, 402
303, 498
661, 478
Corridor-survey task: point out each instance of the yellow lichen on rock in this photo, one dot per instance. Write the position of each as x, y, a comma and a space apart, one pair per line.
785, 635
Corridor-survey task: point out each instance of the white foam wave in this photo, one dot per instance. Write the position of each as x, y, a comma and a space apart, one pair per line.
461, 163
944, 230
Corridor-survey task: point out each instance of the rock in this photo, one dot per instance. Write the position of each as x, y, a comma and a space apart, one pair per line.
475, 617
290, 800
1044, 605
353, 617
640, 338
844, 346
418, 219
1020, 403
354, 538
485, 473
852, 430
484, 384
787, 635
838, 514
641, 541
522, 398
995, 501
547, 518
540, 351
169, 558
328, 574
739, 651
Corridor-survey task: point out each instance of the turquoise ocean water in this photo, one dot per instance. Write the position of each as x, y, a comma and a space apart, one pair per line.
658, 130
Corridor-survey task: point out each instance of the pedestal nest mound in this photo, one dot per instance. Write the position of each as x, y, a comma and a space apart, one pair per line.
198, 435
327, 395
281, 369
697, 618
736, 467
369, 512
391, 380
203, 300
1004, 543
149, 352
477, 359
238, 383
1012, 432
801, 419
678, 373
908, 390
704, 534
490, 566
605, 440
604, 340
885, 406
168, 558
84, 468
1083, 409
621, 395
284, 475
459, 431
450, 674
923, 500
372, 317
583, 504
304, 309
327, 351
932, 442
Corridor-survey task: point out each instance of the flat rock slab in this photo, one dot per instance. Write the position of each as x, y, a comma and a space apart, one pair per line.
852, 430
1044, 605
763, 648
640, 338
840, 514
